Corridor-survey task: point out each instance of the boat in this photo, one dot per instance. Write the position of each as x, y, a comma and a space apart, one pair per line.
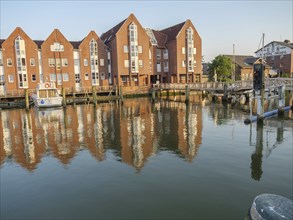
46, 95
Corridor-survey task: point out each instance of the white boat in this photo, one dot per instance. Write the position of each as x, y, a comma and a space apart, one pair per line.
46, 95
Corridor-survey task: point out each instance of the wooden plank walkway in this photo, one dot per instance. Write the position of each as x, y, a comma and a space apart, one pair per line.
219, 86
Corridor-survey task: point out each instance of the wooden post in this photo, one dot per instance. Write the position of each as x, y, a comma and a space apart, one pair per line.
27, 102
64, 97
94, 95
186, 94
153, 95
225, 98
121, 94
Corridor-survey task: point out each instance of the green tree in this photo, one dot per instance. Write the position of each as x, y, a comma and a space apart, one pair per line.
220, 69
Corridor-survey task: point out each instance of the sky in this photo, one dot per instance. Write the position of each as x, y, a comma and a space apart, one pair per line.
221, 24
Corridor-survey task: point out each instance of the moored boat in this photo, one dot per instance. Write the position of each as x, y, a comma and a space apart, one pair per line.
46, 95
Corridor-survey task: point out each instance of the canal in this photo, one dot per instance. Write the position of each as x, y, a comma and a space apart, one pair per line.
141, 160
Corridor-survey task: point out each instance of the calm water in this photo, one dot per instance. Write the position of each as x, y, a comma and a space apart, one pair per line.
140, 160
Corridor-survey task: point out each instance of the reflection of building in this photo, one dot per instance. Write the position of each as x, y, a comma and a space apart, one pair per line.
133, 131
136, 132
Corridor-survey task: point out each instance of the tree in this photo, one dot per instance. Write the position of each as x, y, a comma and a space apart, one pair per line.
220, 69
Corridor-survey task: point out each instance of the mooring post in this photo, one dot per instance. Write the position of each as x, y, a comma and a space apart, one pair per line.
121, 94
153, 95
64, 97
281, 99
225, 97
94, 95
186, 94
27, 102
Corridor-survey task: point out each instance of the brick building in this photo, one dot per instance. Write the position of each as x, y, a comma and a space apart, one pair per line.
126, 55
177, 54
129, 44
279, 55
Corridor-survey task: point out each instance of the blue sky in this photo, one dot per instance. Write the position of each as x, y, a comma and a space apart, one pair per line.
219, 23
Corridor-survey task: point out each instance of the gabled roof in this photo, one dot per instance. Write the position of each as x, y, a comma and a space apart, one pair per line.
110, 34
244, 61
161, 39
286, 44
173, 31
1, 41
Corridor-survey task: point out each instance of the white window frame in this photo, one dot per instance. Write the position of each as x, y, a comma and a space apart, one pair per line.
10, 78
165, 54
125, 49
65, 77
9, 62
51, 62
64, 62
126, 63
159, 67
102, 62
53, 77
102, 76
139, 49
34, 76
86, 76
85, 62
158, 54
140, 63
183, 50
32, 62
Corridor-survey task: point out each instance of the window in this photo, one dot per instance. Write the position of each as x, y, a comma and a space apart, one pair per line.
102, 76
34, 77
58, 64
51, 62
86, 76
9, 62
140, 63
165, 54
183, 63
23, 61
1, 63
194, 63
183, 50
126, 63
32, 62
158, 66
102, 62
125, 49
10, 78
194, 50
64, 62
85, 62
158, 54
139, 49
65, 77
124, 79
76, 62
53, 77
166, 66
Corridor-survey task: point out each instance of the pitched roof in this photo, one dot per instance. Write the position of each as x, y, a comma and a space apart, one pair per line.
109, 35
161, 39
75, 44
173, 31
1, 42
286, 44
244, 61
39, 43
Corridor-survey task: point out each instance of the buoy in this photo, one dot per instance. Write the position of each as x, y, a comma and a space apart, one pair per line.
271, 206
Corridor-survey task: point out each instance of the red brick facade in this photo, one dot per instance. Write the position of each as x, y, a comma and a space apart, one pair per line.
124, 56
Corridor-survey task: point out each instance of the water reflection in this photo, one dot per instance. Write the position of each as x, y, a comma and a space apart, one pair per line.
133, 131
